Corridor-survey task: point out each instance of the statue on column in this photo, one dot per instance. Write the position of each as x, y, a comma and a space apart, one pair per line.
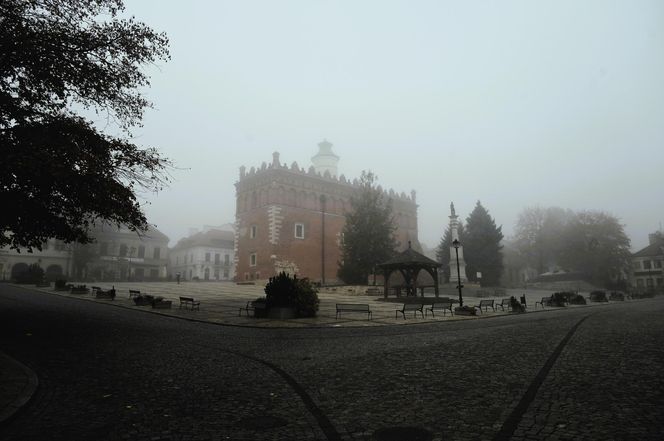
454, 275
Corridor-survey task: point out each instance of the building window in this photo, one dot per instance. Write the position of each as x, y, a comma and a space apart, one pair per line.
649, 283
154, 273
177, 260
258, 275
227, 259
157, 252
252, 233
225, 274
639, 283
299, 231
636, 265
660, 281
217, 259
216, 273
646, 264
252, 259
207, 257
123, 250
141, 251
246, 276
658, 263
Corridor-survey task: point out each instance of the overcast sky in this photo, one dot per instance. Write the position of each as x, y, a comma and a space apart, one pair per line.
514, 103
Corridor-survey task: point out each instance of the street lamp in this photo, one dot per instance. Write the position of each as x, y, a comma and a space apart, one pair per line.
456, 244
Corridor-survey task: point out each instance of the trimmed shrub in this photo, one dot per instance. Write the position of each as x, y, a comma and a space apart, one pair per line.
577, 299
617, 296
560, 299
516, 305
283, 290
598, 296
33, 275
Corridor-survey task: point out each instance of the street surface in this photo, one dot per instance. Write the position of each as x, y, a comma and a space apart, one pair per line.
109, 373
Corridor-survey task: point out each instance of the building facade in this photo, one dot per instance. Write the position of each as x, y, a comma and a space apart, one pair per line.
647, 265
55, 258
120, 254
206, 255
291, 219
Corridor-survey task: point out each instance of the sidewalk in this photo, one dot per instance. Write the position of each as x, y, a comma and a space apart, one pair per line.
221, 303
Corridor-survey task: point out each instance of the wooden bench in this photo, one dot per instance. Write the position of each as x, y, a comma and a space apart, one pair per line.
374, 291
407, 307
189, 302
544, 302
95, 289
354, 307
252, 306
134, 293
503, 303
444, 306
485, 304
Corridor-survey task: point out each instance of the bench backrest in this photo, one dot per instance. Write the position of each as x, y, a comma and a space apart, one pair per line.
505, 302
486, 302
412, 307
186, 299
353, 306
134, 291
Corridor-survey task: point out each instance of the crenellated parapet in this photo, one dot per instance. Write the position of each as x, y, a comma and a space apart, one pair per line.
277, 174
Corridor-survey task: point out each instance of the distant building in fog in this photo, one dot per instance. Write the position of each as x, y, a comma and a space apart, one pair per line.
120, 254
647, 271
55, 259
205, 255
291, 219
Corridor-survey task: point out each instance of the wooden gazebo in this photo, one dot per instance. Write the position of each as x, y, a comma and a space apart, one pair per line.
409, 263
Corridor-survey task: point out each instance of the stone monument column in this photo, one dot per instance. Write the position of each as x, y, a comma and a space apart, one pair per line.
454, 226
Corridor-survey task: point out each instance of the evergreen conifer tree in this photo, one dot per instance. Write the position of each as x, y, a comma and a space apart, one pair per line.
368, 235
482, 247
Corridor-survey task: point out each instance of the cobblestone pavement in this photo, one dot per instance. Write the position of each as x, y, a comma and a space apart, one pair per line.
113, 373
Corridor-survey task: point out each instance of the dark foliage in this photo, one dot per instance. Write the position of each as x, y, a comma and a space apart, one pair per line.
34, 275
283, 290
560, 299
598, 296
516, 305
59, 173
617, 296
482, 247
368, 235
577, 299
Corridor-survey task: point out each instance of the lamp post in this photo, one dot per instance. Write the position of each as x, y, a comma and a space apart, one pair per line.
456, 244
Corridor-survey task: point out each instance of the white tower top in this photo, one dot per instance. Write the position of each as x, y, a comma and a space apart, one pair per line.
325, 160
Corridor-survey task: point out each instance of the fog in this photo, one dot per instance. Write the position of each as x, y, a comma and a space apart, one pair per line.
514, 104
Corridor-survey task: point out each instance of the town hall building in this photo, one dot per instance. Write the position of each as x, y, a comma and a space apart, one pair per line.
291, 219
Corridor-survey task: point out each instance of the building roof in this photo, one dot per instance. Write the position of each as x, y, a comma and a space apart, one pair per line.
654, 249
211, 238
409, 257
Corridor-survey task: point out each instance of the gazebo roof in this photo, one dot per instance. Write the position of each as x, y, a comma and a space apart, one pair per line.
409, 258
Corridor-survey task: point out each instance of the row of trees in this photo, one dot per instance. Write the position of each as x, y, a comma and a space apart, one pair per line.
592, 243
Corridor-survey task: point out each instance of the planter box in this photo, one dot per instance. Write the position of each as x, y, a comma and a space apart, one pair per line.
162, 305
282, 313
142, 302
